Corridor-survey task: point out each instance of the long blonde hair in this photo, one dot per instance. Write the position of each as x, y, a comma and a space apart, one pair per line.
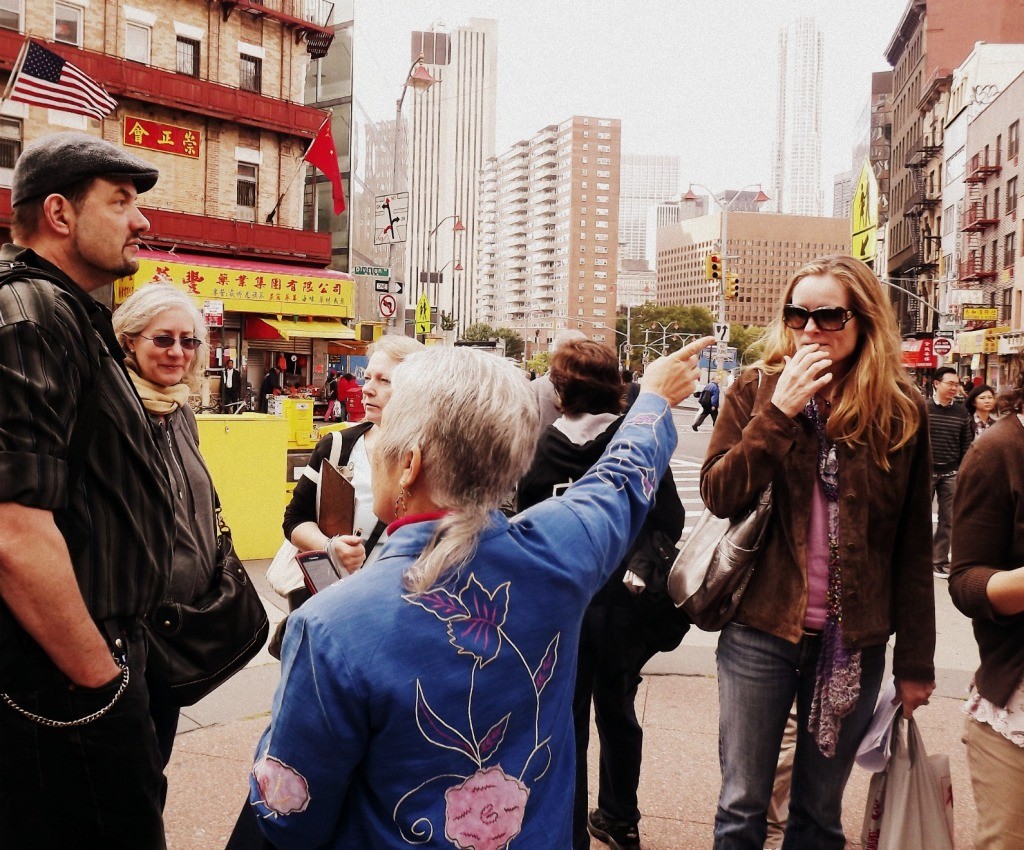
475, 421
874, 403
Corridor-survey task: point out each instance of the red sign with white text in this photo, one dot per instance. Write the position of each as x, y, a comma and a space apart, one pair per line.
157, 136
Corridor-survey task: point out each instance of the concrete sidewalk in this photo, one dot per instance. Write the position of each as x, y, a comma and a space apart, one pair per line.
677, 705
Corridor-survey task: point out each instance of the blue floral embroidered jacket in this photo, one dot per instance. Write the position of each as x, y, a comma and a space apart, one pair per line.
443, 719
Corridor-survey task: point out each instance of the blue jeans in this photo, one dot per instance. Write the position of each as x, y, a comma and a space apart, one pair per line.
759, 675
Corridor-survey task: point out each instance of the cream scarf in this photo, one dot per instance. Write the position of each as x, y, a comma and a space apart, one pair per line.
157, 399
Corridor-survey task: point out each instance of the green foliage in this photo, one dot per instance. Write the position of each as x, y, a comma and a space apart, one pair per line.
744, 337
514, 345
646, 328
540, 362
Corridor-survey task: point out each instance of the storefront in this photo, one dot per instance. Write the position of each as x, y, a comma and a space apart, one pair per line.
918, 358
978, 349
261, 315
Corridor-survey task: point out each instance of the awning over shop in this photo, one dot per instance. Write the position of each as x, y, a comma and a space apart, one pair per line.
984, 341
298, 330
247, 287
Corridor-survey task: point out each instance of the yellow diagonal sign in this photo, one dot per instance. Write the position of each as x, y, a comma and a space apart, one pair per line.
423, 315
864, 216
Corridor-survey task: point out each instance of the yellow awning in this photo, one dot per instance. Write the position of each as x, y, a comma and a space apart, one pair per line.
290, 329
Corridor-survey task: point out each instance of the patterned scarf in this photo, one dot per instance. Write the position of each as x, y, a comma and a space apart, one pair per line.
837, 679
158, 399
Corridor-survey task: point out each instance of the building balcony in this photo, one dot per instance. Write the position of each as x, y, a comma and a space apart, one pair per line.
922, 152
919, 202
973, 270
239, 239
126, 80
308, 18
981, 167
977, 218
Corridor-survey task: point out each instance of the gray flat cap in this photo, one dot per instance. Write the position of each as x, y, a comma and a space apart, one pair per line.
60, 160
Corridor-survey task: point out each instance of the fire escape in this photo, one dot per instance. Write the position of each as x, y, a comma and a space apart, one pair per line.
979, 266
925, 243
308, 19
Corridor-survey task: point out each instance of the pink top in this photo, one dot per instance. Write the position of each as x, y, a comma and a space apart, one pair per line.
817, 561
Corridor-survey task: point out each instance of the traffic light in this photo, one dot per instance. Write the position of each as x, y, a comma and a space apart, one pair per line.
732, 288
713, 267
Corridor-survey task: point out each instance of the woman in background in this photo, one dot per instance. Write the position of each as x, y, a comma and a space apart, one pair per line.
829, 418
987, 584
981, 401
163, 337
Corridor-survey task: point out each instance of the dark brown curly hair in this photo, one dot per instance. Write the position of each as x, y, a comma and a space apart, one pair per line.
585, 374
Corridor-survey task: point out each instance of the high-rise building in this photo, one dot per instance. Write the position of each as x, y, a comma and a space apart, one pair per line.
646, 180
932, 38
796, 166
764, 250
549, 249
664, 214
842, 193
451, 135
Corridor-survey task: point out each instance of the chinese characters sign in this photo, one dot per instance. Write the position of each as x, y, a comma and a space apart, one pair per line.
280, 290
157, 136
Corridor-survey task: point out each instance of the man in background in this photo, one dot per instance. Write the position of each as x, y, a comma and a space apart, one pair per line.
231, 387
951, 431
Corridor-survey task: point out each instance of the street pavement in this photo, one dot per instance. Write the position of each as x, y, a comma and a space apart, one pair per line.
677, 705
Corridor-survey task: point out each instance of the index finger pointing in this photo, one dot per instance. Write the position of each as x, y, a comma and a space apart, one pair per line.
692, 349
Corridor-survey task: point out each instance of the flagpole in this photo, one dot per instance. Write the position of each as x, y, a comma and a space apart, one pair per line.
16, 70
302, 162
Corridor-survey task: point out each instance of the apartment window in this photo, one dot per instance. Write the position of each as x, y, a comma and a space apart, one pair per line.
10, 14
1013, 140
67, 24
245, 191
250, 73
187, 56
1011, 195
137, 42
1009, 250
10, 148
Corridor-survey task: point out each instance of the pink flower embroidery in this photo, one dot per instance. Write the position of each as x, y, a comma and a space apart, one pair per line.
486, 811
284, 789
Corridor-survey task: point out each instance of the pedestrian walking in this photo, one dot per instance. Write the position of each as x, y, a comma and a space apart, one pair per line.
426, 700
543, 391
987, 584
708, 400
981, 404
951, 431
86, 512
834, 425
623, 628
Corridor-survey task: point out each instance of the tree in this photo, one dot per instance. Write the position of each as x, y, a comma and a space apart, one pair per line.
646, 329
480, 332
743, 338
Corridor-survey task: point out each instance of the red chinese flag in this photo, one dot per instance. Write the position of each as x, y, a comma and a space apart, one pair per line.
324, 155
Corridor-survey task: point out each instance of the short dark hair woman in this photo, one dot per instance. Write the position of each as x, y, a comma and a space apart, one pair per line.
829, 418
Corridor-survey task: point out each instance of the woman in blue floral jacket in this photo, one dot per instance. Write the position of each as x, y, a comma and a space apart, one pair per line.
428, 701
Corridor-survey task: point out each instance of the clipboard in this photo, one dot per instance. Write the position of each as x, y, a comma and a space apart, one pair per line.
337, 508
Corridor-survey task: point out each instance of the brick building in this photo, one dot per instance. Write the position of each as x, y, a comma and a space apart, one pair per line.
764, 250
210, 93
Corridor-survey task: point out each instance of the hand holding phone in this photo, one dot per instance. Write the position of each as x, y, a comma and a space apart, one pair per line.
317, 570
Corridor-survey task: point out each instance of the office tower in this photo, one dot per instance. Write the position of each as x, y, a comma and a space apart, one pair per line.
549, 247
796, 166
451, 128
646, 180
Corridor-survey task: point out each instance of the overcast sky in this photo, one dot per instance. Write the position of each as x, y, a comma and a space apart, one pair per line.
689, 78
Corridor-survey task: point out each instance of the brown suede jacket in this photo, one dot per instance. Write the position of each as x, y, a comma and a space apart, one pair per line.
885, 529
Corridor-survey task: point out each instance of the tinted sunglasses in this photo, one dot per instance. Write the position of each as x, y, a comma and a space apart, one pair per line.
188, 343
825, 318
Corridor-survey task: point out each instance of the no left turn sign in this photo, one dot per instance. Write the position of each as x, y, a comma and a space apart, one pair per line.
388, 306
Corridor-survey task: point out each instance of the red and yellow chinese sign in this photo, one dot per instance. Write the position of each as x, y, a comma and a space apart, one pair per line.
157, 136
263, 288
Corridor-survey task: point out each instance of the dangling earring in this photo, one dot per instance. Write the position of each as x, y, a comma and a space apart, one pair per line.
400, 507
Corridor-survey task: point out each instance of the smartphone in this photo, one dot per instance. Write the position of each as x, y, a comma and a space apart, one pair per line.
317, 570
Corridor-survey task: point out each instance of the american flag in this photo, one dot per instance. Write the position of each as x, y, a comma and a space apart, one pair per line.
45, 79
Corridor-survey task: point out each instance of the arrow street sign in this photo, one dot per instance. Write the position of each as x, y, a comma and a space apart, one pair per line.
722, 331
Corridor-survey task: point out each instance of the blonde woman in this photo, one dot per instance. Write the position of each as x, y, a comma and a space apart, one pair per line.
428, 700
830, 420
164, 340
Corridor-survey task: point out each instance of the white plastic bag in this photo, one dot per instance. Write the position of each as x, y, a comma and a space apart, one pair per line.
910, 803
876, 747
283, 573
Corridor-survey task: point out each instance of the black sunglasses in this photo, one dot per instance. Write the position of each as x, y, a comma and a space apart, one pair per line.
188, 343
825, 318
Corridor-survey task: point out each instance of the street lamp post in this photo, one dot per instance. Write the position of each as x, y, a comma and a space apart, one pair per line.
690, 197
664, 333
433, 277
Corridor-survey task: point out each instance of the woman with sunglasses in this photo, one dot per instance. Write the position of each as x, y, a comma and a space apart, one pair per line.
828, 418
162, 334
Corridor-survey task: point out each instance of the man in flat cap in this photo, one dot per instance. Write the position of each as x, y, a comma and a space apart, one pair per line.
86, 517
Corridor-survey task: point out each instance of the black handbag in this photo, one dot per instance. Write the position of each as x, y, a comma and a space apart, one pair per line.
194, 647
